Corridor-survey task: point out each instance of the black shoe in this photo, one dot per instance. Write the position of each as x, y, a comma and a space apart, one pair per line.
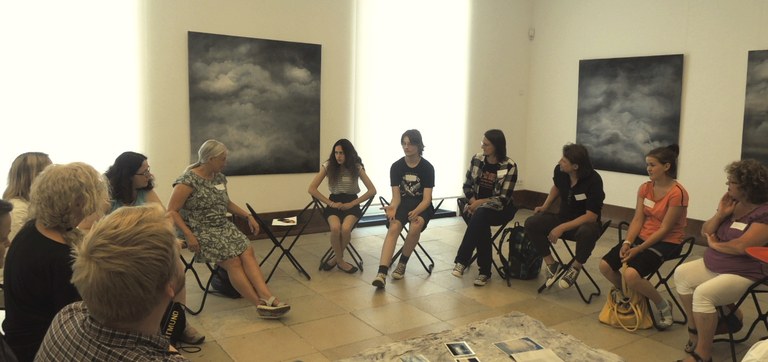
326, 267
352, 269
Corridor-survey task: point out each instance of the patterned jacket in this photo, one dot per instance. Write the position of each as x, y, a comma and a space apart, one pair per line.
506, 178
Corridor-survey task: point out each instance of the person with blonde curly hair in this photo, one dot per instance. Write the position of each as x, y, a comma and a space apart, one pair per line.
726, 271
23, 171
124, 298
39, 264
199, 205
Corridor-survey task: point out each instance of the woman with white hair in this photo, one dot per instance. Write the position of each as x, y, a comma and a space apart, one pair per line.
199, 205
38, 266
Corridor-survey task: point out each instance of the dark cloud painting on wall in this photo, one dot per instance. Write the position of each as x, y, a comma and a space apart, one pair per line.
627, 107
261, 98
753, 142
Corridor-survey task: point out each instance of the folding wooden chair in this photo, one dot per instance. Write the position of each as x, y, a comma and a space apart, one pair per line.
502, 270
431, 265
587, 300
685, 250
356, 258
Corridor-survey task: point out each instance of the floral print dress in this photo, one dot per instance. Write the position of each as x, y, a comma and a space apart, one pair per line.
205, 213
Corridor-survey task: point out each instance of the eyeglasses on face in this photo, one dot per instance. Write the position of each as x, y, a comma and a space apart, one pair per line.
145, 173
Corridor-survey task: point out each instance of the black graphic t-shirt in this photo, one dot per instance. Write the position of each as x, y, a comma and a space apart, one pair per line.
412, 181
487, 180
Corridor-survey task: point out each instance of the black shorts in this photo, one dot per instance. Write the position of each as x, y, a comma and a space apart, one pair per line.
406, 205
343, 198
646, 262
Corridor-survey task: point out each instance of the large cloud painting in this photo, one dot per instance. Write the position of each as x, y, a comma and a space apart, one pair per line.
754, 144
627, 107
261, 98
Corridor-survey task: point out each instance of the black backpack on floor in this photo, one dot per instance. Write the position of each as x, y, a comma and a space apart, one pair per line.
524, 261
221, 284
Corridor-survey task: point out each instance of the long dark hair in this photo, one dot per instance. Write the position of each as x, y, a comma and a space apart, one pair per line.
577, 154
120, 176
667, 155
351, 160
499, 142
415, 137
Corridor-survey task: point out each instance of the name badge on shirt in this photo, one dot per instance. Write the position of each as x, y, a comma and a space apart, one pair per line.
220, 187
410, 178
649, 203
738, 226
580, 197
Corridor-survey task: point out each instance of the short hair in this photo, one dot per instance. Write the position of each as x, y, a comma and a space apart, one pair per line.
121, 173
122, 267
499, 142
752, 177
5, 207
415, 137
667, 155
351, 160
578, 154
62, 195
23, 171
208, 150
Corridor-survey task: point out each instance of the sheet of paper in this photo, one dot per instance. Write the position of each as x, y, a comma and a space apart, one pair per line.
284, 221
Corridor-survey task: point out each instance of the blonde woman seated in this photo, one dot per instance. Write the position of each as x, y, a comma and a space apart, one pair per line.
726, 271
199, 205
656, 232
344, 169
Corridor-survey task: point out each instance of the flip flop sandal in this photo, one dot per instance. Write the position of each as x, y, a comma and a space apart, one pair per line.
270, 310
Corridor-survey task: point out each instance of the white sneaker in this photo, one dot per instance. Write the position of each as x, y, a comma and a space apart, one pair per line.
554, 272
399, 272
665, 316
482, 279
458, 270
380, 281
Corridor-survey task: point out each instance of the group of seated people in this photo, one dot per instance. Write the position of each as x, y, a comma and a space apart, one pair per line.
65, 287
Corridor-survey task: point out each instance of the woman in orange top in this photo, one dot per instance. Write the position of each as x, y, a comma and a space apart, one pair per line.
656, 232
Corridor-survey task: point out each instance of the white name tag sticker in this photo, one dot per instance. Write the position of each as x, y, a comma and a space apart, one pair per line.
580, 197
410, 178
221, 187
738, 226
649, 203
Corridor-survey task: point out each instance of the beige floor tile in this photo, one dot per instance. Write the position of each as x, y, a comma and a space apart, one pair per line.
395, 317
447, 305
644, 350
335, 331
352, 349
209, 352
233, 322
591, 332
309, 308
275, 344
314, 357
545, 311
362, 297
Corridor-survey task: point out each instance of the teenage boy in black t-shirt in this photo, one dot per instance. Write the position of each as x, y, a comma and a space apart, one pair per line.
412, 179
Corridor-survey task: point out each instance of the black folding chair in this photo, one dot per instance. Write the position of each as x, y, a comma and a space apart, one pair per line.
431, 265
278, 244
685, 250
356, 258
502, 270
213, 268
587, 300
757, 288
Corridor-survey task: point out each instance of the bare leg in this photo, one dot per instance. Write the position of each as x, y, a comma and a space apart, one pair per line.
388, 248
687, 302
642, 286
414, 233
707, 322
336, 242
613, 276
253, 272
239, 280
345, 237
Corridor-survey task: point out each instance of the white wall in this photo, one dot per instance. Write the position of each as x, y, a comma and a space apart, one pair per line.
713, 35
329, 23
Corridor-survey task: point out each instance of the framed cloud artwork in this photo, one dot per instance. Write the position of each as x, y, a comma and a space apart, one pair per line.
259, 97
627, 107
753, 141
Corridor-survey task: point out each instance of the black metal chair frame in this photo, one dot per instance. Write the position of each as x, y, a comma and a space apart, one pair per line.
214, 269
685, 251
431, 265
329, 254
587, 300
502, 270
279, 244
754, 290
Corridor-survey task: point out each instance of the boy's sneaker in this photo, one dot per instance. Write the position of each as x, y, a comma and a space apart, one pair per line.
399, 272
554, 271
380, 281
665, 316
482, 279
569, 277
458, 270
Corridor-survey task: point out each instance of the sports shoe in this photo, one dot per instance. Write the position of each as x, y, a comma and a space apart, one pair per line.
380, 281
399, 272
554, 272
482, 279
665, 315
569, 277
458, 270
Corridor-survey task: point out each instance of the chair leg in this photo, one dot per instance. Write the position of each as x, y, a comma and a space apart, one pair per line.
583, 270
206, 291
